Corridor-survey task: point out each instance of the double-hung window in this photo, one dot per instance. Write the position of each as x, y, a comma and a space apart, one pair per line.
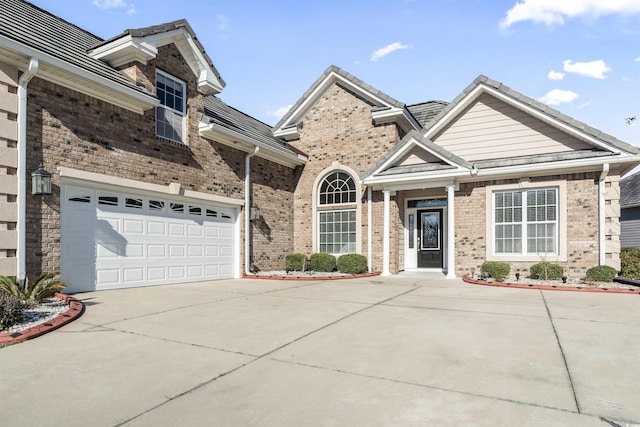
526, 222
171, 114
337, 214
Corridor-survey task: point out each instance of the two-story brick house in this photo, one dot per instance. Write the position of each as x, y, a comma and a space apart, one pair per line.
153, 174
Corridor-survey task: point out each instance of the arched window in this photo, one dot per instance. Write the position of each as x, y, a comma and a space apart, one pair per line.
337, 214
337, 188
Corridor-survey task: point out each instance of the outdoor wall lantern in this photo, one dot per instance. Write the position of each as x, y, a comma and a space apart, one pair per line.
254, 212
40, 181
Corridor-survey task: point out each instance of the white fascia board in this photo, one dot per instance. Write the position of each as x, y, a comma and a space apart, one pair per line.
395, 114
414, 180
557, 168
236, 140
472, 96
391, 160
124, 50
289, 134
131, 99
106, 182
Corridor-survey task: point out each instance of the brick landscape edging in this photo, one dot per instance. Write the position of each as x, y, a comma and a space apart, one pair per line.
468, 279
75, 310
352, 276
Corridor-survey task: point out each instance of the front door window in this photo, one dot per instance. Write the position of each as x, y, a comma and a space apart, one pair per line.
430, 249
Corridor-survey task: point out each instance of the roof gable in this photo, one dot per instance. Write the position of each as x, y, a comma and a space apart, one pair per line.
142, 45
417, 154
483, 85
490, 128
385, 109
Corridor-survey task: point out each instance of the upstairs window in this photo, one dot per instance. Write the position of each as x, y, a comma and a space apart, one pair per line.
171, 114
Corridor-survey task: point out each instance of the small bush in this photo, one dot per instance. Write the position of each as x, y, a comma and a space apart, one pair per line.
498, 270
10, 310
630, 263
546, 271
295, 262
46, 286
601, 273
322, 262
352, 264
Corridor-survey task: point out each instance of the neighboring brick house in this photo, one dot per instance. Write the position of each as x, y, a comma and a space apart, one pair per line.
153, 174
630, 211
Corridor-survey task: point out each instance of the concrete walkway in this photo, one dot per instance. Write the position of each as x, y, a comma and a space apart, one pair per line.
377, 351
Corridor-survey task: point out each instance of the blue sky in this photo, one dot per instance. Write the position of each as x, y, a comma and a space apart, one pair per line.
581, 56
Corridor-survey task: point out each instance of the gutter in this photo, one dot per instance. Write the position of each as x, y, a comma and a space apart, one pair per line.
247, 209
601, 214
21, 228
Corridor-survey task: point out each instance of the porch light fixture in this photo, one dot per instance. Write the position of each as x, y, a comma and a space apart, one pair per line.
40, 181
254, 212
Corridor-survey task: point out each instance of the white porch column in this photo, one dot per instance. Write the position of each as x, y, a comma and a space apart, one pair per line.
451, 233
385, 234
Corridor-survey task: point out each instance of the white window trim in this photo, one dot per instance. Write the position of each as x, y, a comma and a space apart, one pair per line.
561, 222
320, 212
184, 108
336, 167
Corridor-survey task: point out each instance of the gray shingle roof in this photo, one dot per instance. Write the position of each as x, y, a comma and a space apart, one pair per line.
163, 28
40, 30
218, 112
426, 111
630, 190
553, 113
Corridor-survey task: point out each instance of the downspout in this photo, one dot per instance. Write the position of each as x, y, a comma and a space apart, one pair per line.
601, 214
247, 210
21, 228
369, 231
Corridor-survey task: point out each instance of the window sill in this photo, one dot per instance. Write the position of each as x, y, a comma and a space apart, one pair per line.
527, 258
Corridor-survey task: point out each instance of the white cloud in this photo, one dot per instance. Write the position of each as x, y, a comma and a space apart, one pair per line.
558, 96
279, 112
555, 75
384, 51
115, 4
595, 69
637, 59
550, 12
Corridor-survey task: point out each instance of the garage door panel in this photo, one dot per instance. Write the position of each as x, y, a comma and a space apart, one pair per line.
156, 251
177, 250
157, 273
157, 228
111, 240
108, 276
131, 275
177, 230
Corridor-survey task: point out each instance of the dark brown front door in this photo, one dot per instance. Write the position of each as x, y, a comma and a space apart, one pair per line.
430, 247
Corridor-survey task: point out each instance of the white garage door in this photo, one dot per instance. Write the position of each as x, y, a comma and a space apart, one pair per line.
116, 240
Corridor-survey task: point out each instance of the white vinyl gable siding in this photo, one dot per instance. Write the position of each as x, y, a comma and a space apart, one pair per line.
492, 129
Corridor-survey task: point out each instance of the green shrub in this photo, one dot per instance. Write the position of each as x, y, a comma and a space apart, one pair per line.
630, 263
546, 271
45, 287
352, 264
10, 310
295, 262
498, 270
322, 262
601, 273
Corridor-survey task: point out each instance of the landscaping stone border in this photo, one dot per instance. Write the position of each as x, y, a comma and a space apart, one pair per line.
468, 279
75, 310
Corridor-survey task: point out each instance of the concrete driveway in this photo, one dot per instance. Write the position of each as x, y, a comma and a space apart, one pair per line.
378, 351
